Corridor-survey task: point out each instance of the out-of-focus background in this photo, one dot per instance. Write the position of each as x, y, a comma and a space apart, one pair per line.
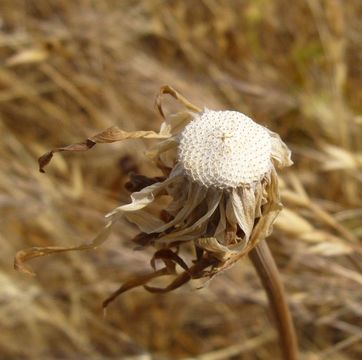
69, 69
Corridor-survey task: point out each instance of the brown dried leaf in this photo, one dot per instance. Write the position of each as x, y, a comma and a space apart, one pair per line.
195, 271
23, 256
109, 135
134, 282
168, 254
175, 94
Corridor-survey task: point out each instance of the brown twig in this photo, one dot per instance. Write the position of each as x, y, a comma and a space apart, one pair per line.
267, 270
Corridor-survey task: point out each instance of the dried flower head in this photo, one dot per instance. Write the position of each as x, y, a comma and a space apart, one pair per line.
220, 172
224, 149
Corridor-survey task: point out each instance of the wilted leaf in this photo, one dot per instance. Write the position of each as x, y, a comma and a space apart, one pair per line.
166, 89
23, 256
133, 283
109, 135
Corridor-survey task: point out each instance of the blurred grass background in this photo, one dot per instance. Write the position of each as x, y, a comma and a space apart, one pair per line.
69, 69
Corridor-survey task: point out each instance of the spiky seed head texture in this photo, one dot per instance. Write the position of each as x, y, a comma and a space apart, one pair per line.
225, 149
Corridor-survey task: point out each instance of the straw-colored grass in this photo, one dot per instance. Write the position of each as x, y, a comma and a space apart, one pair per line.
72, 68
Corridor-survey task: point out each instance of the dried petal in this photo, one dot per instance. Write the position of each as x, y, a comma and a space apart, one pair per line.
145, 221
220, 251
195, 230
281, 154
243, 203
144, 197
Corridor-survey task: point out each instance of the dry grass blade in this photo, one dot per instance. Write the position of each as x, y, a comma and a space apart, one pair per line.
237, 349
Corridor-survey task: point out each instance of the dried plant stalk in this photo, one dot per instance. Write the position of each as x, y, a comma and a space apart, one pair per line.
267, 270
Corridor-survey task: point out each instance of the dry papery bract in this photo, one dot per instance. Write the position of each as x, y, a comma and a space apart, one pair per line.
221, 223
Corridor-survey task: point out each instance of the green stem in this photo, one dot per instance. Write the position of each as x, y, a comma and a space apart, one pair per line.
267, 270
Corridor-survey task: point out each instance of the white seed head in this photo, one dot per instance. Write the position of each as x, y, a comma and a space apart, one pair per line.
225, 149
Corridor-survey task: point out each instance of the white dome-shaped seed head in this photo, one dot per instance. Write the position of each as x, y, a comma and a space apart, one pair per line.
225, 149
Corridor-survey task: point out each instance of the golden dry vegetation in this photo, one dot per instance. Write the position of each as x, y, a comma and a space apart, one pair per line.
69, 69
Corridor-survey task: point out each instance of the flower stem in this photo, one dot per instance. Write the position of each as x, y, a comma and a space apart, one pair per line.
268, 273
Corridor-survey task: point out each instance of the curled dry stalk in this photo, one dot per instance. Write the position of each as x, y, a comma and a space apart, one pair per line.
268, 273
220, 170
